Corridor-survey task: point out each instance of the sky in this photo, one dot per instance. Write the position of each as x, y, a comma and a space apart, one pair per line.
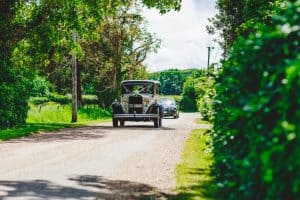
184, 37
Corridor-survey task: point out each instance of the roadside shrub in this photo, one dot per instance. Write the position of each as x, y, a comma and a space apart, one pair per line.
198, 95
61, 99
40, 87
257, 125
13, 100
38, 100
205, 100
188, 102
90, 100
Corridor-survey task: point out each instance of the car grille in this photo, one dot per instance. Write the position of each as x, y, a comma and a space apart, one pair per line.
135, 104
166, 109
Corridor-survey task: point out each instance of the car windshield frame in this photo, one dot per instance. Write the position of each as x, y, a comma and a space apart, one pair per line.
137, 87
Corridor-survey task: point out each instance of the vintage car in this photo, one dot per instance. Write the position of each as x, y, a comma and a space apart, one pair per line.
169, 107
138, 103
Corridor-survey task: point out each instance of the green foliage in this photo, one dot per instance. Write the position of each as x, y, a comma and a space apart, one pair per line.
172, 80
52, 116
56, 113
123, 45
90, 100
163, 5
63, 99
60, 99
257, 129
37, 35
40, 87
198, 95
14, 85
39, 100
238, 17
206, 94
189, 96
13, 101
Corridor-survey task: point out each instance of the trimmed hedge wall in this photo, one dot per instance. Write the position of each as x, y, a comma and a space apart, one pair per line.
257, 125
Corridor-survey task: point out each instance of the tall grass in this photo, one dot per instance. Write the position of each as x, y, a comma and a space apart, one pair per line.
52, 116
193, 174
56, 113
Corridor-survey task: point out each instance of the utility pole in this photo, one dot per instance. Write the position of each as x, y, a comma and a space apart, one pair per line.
74, 82
208, 59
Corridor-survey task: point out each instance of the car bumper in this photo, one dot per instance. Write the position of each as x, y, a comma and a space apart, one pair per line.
169, 113
136, 117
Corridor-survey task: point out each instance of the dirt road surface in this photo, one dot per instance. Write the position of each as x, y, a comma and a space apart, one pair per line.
96, 162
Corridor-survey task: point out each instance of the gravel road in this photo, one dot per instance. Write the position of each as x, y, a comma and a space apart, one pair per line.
95, 162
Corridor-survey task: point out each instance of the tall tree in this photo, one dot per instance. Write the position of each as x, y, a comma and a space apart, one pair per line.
238, 17
13, 81
122, 47
44, 27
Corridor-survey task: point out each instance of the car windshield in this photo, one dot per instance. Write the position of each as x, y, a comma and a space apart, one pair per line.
137, 87
167, 101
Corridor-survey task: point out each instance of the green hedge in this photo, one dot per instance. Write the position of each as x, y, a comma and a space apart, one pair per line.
257, 126
205, 100
188, 102
63, 99
198, 95
14, 96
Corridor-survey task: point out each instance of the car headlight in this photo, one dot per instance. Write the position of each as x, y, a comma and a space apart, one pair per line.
124, 101
146, 101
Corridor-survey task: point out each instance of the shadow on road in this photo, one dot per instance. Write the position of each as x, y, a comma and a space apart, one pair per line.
41, 189
88, 187
92, 187
80, 133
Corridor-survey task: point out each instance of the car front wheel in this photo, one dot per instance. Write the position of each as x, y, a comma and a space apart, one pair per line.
115, 122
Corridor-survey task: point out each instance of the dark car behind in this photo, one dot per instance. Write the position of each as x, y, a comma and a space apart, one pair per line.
169, 107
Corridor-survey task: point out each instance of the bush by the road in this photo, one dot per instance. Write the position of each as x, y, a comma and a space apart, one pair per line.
13, 99
205, 100
257, 127
63, 99
198, 95
40, 87
189, 96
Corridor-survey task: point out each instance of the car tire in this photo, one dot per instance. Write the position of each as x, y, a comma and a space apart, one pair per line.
156, 122
115, 122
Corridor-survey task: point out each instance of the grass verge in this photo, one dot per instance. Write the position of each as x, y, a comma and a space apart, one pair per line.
193, 175
51, 117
